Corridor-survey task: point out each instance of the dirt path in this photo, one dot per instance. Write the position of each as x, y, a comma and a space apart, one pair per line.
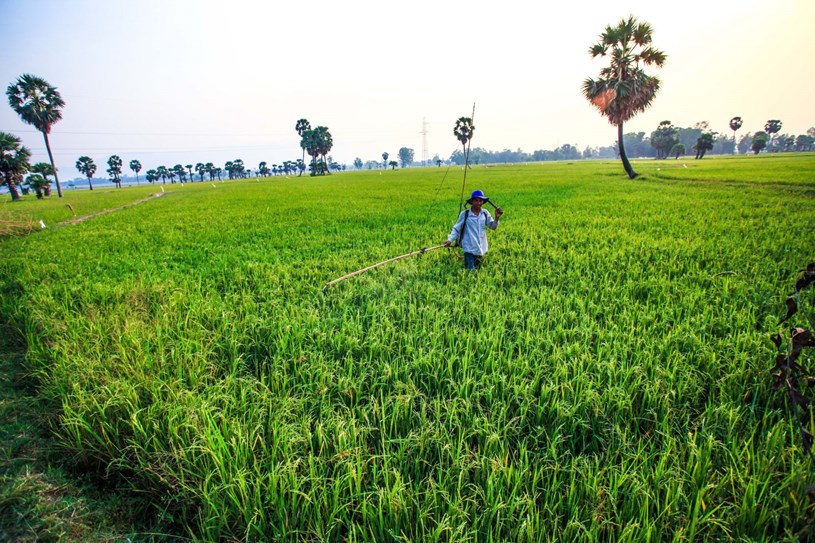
83, 218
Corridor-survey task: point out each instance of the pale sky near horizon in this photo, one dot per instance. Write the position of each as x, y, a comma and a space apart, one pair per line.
186, 81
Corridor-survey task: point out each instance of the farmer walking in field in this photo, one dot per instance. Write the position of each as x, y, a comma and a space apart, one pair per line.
470, 230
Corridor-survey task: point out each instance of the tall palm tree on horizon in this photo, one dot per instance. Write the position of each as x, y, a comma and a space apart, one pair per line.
135, 165
463, 131
735, 124
38, 104
772, 127
162, 172
115, 170
302, 126
86, 166
623, 89
325, 142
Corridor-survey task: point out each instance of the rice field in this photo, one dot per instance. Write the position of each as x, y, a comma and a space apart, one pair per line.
604, 377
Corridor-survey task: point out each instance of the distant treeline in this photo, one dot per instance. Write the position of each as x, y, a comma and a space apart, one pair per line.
639, 145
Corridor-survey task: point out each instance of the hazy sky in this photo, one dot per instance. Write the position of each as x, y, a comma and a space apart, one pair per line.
186, 81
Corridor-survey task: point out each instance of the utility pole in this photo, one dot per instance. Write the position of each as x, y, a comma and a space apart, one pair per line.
424, 134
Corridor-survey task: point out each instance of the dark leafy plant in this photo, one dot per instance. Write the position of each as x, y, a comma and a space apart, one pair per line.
789, 373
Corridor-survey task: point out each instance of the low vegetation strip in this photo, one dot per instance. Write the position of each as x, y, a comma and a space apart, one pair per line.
83, 218
603, 377
52, 210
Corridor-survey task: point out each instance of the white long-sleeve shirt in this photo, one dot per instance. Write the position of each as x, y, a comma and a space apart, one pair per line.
474, 240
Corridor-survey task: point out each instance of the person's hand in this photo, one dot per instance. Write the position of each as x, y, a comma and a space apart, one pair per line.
498, 212
447, 243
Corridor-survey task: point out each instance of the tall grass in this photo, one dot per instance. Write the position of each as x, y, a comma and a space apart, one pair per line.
603, 378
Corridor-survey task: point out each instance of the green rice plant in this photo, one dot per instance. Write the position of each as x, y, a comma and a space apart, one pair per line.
601, 378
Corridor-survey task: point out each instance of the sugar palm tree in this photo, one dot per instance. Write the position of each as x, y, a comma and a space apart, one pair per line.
39, 183
162, 172
301, 126
189, 168
326, 143
86, 167
704, 143
238, 168
115, 170
772, 127
135, 165
623, 88
14, 159
310, 145
463, 131
735, 124
200, 168
38, 104
178, 170
44, 169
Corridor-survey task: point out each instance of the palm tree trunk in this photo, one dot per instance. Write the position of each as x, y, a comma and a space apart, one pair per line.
12, 189
626, 164
51, 158
90, 183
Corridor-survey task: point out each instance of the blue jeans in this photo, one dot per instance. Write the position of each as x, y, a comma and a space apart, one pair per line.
471, 261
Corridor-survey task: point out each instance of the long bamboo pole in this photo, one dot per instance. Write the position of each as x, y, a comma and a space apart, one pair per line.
466, 161
344, 277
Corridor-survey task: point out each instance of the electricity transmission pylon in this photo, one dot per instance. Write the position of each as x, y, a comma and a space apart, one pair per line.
424, 134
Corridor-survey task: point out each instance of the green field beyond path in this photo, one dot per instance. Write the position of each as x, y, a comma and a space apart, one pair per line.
604, 377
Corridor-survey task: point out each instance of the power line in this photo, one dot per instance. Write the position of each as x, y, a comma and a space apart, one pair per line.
139, 134
120, 150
